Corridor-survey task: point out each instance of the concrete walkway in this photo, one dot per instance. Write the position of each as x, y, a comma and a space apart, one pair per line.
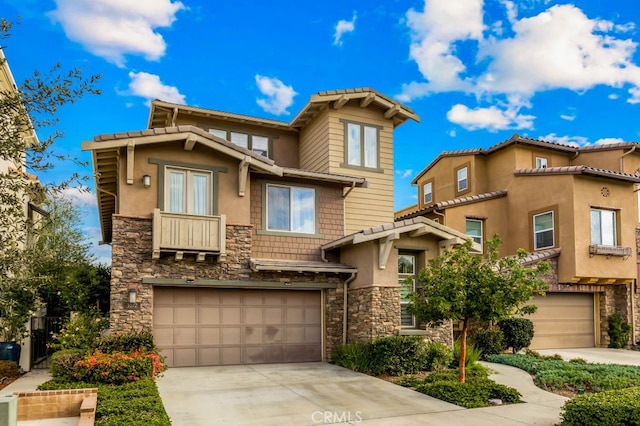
28, 382
597, 355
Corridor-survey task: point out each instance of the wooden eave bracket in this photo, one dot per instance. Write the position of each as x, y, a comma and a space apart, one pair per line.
392, 111
367, 100
243, 175
190, 143
386, 244
131, 145
342, 100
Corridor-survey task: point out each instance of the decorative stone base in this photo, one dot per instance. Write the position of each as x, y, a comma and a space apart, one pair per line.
373, 312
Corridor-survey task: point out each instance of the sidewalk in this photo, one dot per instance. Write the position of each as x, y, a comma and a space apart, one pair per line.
28, 382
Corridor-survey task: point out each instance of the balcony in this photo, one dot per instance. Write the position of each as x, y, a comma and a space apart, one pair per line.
183, 233
609, 250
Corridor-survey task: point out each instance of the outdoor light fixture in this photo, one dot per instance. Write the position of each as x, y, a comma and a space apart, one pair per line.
132, 295
146, 181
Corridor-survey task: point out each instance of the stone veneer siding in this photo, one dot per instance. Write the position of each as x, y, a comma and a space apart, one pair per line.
330, 213
372, 312
131, 261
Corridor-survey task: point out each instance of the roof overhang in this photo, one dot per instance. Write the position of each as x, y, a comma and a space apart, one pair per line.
277, 265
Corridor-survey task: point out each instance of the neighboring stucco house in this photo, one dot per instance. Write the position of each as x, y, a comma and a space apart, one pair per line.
574, 207
235, 237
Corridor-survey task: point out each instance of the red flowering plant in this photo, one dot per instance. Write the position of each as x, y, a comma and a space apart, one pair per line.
118, 367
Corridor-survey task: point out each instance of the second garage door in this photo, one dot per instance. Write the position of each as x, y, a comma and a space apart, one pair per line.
563, 320
206, 326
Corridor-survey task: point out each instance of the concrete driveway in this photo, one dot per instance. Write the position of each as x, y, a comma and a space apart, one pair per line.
285, 394
597, 355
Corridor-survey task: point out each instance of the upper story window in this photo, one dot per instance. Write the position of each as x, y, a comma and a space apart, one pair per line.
543, 230
256, 143
291, 209
462, 178
427, 190
474, 230
188, 191
603, 227
362, 145
541, 163
406, 272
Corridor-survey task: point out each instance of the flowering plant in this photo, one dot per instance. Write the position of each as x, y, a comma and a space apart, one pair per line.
83, 331
118, 367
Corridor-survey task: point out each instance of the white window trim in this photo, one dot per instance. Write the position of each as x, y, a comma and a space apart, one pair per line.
552, 229
425, 193
481, 236
401, 278
362, 144
290, 231
541, 163
249, 136
615, 226
188, 201
466, 178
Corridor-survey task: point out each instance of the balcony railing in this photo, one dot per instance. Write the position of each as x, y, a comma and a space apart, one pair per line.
609, 250
184, 233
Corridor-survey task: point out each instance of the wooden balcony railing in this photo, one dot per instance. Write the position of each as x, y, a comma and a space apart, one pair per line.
184, 233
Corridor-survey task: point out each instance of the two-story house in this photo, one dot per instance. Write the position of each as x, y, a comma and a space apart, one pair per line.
574, 207
238, 239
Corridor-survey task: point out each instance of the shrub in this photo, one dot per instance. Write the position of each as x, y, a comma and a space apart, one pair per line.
489, 341
619, 331
118, 367
472, 394
473, 354
535, 354
9, 369
612, 408
63, 363
127, 342
438, 355
398, 355
354, 356
81, 332
518, 332
136, 403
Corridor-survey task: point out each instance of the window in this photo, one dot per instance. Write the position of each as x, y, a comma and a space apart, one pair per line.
361, 145
541, 163
427, 190
255, 143
463, 182
543, 232
188, 191
474, 230
291, 209
603, 227
406, 271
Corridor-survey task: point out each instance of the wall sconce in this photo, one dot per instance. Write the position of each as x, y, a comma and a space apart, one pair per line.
133, 295
146, 181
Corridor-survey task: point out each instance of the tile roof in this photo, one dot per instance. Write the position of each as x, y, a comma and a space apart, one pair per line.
540, 255
457, 202
579, 170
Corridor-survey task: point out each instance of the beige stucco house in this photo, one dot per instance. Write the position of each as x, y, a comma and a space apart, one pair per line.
238, 239
574, 207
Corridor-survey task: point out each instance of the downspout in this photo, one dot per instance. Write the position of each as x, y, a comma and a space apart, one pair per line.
344, 307
633, 313
633, 148
435, 211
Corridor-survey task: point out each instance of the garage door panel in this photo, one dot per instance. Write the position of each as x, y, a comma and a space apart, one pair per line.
226, 326
563, 320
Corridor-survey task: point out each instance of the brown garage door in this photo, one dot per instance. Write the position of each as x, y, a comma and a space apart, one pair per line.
205, 326
563, 320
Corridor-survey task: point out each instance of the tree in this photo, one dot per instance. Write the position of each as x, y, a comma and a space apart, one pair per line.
461, 286
24, 110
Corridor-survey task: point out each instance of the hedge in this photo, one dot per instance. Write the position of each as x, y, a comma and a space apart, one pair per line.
611, 408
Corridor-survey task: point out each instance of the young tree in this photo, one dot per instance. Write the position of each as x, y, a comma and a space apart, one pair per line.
461, 286
24, 110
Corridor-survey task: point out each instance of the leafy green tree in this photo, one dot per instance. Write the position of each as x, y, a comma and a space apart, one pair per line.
25, 109
461, 286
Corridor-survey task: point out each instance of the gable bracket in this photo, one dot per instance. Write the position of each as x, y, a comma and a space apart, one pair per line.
131, 145
190, 143
392, 111
386, 244
243, 171
367, 100
339, 103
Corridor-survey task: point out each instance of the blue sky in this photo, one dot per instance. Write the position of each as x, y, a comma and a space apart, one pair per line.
475, 71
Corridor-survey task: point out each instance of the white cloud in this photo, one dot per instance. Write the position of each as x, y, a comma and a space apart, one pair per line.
491, 118
114, 28
150, 87
566, 140
452, 133
567, 117
608, 141
80, 197
279, 97
344, 27
579, 53
403, 174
